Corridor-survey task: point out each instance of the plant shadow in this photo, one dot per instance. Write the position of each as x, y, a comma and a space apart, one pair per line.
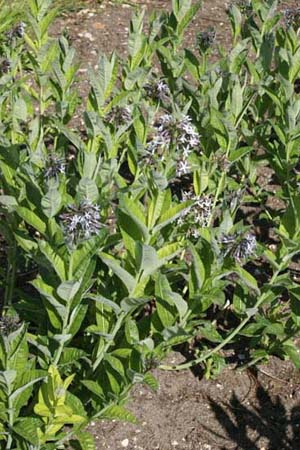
268, 419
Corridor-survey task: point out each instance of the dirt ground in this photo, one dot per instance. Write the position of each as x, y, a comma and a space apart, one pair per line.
249, 410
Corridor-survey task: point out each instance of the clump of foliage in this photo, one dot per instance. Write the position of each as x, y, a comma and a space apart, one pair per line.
133, 235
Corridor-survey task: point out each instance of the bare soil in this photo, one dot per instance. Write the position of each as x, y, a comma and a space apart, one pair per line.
247, 410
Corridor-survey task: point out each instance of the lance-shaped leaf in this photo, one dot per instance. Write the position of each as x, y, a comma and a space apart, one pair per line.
121, 273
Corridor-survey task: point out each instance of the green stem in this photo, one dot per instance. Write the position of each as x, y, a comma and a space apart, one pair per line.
10, 421
11, 275
219, 347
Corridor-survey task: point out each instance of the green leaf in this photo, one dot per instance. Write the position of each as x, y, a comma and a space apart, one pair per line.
8, 200
121, 273
147, 259
67, 290
51, 202
130, 304
151, 381
27, 428
20, 109
117, 412
172, 214
32, 219
197, 272
86, 440
93, 387
87, 190
166, 309
57, 263
247, 278
105, 301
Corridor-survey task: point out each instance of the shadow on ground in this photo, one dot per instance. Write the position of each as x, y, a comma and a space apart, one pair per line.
269, 420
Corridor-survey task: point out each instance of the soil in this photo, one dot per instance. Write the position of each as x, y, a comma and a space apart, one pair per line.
248, 410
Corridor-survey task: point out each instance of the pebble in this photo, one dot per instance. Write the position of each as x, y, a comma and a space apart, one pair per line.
125, 443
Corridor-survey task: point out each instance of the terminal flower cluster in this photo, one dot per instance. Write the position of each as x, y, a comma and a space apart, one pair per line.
54, 166
119, 115
177, 132
292, 17
82, 222
157, 90
200, 213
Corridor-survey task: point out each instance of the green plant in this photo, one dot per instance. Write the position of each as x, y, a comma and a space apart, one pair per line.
133, 235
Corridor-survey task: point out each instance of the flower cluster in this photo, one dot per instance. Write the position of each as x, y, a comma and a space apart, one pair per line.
239, 248
17, 32
245, 248
54, 166
82, 222
5, 66
157, 90
179, 132
199, 214
119, 115
9, 324
292, 17
205, 39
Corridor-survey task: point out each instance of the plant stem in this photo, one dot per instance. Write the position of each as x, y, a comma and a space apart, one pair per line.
11, 275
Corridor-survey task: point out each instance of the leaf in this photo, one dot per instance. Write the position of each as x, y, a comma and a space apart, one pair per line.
57, 263
166, 309
94, 387
130, 304
31, 218
8, 200
151, 381
71, 355
51, 202
25, 386
86, 440
87, 190
27, 427
247, 278
147, 259
172, 214
134, 211
81, 257
113, 264
67, 290
20, 109
197, 272
117, 412
155, 208
105, 301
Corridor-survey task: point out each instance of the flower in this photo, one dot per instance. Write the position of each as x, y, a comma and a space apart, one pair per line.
80, 223
205, 39
182, 168
178, 131
200, 212
9, 324
245, 248
292, 17
157, 90
239, 246
119, 115
5, 66
54, 166
17, 31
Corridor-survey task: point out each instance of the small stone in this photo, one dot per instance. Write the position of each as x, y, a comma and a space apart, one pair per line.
125, 443
98, 26
174, 443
